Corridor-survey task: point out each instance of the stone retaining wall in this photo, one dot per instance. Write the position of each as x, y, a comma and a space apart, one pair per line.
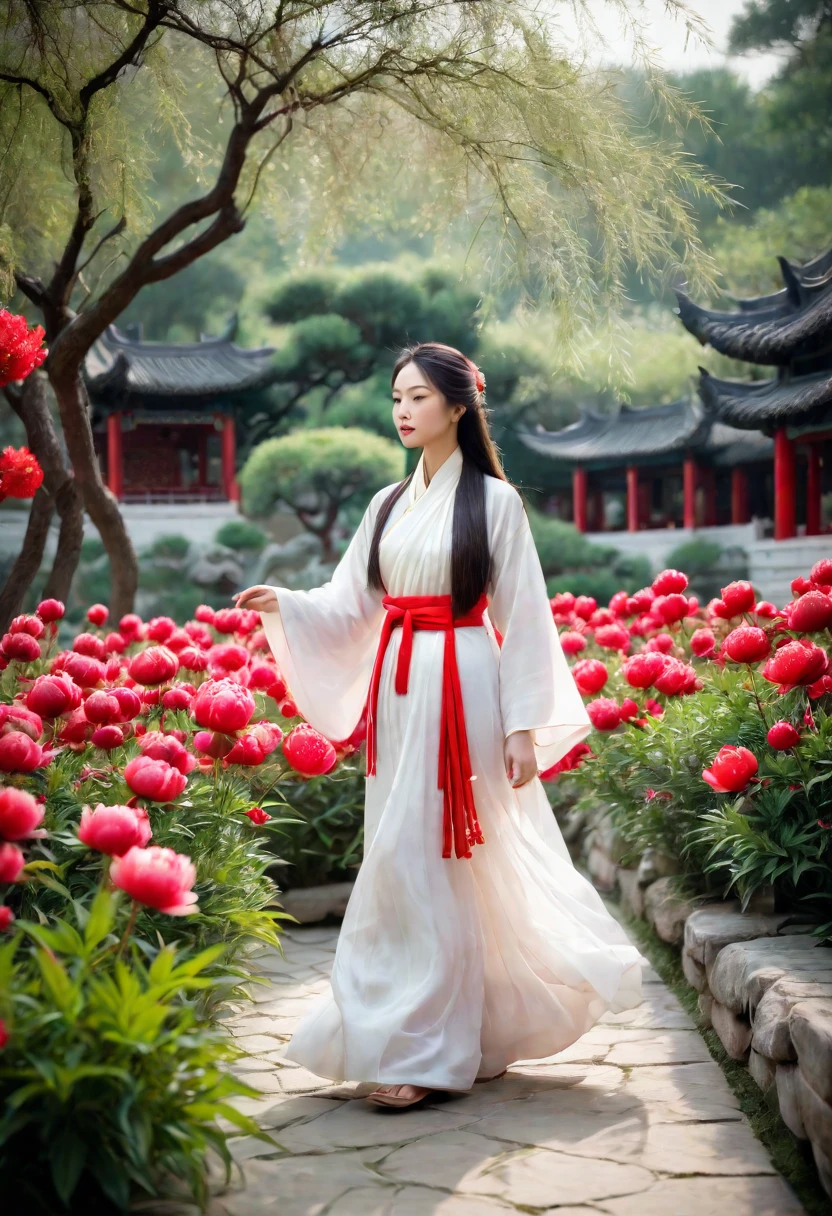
764, 985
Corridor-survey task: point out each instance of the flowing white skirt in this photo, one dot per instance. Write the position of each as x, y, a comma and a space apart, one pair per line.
450, 968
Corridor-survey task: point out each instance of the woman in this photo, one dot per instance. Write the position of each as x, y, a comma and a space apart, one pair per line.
469, 941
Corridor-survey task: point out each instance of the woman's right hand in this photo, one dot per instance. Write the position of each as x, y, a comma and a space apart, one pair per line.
258, 599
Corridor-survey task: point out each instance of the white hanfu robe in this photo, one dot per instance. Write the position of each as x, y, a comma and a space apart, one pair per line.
450, 968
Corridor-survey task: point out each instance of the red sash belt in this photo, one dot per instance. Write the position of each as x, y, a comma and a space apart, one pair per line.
461, 828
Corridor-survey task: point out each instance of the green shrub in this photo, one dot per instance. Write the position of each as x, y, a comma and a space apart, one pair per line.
240, 534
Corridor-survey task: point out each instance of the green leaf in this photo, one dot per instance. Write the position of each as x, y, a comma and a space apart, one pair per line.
67, 1155
101, 918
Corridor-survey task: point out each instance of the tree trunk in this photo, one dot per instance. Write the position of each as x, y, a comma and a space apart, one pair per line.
101, 505
29, 559
71, 510
31, 404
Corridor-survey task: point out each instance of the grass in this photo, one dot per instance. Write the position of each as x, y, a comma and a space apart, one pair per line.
790, 1157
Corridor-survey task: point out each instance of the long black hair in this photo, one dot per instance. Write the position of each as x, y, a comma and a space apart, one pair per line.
455, 376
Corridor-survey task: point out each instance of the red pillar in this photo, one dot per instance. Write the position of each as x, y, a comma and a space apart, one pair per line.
229, 458
595, 512
784, 487
739, 495
579, 499
813, 480
115, 467
709, 487
632, 498
202, 457
689, 479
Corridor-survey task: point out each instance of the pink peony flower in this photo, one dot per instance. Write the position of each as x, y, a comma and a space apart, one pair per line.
27, 624
642, 669
154, 666
193, 659
20, 647
604, 713
102, 708
158, 878
226, 620
205, 613
20, 814
19, 753
731, 770
584, 606
17, 717
114, 829
51, 696
308, 752
703, 642
89, 644
223, 705
670, 582
50, 611
613, 637
166, 747
590, 676
108, 738
782, 736
154, 779
85, 670
12, 862
747, 644
160, 628
253, 747
571, 641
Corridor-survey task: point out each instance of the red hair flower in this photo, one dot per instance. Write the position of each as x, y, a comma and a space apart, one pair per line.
479, 378
21, 348
20, 473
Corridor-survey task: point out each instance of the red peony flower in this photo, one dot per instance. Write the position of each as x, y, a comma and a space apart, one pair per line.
101, 708
702, 642
811, 613
227, 620
258, 815
89, 644
747, 644
663, 642
158, 878
604, 713
670, 582
160, 628
572, 760
731, 770
618, 603
19, 717
154, 666
225, 658
6, 918
673, 677
21, 348
798, 662
738, 597
217, 746
77, 728
766, 609
288, 708
179, 696
12, 862
85, 671
20, 814
613, 637
129, 701
154, 779
782, 736
114, 829
205, 613
641, 670
278, 690
308, 752
572, 642
20, 473
629, 709
653, 707
670, 608
258, 743
19, 753
97, 614
166, 747
223, 705
114, 643
590, 676
193, 659
108, 738
20, 647
27, 624
50, 611
584, 606
4, 1034
821, 572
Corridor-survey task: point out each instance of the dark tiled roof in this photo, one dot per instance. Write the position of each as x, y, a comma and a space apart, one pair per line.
118, 365
647, 434
767, 404
625, 436
795, 323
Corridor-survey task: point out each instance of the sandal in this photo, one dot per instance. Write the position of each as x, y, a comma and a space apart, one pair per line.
496, 1077
378, 1098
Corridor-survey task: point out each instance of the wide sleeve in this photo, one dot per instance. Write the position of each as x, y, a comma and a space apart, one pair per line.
324, 640
537, 689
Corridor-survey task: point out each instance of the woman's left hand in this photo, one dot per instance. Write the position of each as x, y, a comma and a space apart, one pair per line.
521, 763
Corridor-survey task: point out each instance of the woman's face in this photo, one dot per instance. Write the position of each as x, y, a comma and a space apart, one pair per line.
420, 411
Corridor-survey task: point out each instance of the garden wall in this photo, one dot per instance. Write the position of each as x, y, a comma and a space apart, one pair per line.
764, 984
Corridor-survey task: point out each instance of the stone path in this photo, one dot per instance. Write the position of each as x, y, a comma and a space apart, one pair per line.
636, 1119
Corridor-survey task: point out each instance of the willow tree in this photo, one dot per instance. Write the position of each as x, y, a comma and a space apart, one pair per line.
510, 134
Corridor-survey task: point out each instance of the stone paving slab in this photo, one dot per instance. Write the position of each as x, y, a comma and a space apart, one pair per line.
634, 1120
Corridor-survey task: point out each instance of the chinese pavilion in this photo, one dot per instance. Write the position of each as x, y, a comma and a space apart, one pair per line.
164, 414
790, 330
673, 465
758, 448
